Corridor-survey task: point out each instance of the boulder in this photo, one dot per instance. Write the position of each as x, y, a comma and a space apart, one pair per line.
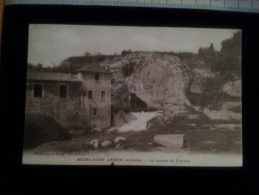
233, 88
119, 140
94, 143
170, 140
106, 143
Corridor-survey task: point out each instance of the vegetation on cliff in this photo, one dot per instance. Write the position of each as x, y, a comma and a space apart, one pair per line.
128, 69
226, 64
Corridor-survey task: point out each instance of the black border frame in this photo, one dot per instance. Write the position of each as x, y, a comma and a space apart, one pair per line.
20, 177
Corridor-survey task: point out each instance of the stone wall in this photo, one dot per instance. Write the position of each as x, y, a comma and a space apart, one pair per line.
66, 110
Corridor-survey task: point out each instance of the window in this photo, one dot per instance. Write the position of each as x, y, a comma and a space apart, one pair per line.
37, 90
92, 111
62, 91
90, 94
95, 111
96, 77
102, 95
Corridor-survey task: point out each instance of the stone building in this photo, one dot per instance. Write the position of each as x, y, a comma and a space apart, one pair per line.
74, 100
96, 94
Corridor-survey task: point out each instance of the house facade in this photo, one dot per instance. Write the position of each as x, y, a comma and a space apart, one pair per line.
74, 100
96, 94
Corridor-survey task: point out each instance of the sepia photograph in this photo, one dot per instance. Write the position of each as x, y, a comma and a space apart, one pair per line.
133, 96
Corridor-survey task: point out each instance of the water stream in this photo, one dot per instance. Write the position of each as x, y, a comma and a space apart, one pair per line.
140, 123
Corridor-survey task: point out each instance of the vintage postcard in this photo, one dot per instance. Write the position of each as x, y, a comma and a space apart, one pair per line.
148, 96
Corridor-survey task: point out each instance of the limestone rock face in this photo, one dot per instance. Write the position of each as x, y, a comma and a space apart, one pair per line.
159, 80
233, 88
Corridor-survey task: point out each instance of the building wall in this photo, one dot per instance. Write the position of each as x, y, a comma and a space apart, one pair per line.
102, 119
66, 110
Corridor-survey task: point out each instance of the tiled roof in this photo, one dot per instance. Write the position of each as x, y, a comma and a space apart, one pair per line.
50, 76
94, 68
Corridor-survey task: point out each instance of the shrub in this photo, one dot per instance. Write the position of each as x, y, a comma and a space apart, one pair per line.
40, 129
237, 109
120, 97
125, 52
128, 69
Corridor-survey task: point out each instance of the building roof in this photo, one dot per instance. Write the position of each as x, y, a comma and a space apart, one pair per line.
50, 76
94, 68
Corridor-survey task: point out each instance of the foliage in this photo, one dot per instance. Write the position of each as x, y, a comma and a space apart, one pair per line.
211, 48
197, 99
120, 97
200, 52
128, 69
87, 54
228, 62
125, 52
237, 109
227, 66
207, 53
212, 85
38, 67
179, 123
184, 55
181, 55
71, 65
41, 129
213, 99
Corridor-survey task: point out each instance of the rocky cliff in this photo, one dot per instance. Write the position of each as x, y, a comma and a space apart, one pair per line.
159, 80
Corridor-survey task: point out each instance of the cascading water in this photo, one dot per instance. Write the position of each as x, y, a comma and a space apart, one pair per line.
140, 123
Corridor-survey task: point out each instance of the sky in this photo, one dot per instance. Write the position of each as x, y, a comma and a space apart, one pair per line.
50, 44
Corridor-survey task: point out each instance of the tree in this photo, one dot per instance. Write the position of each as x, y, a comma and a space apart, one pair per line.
40, 66
212, 85
87, 54
228, 62
125, 52
211, 48
211, 51
30, 66
200, 52
128, 69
